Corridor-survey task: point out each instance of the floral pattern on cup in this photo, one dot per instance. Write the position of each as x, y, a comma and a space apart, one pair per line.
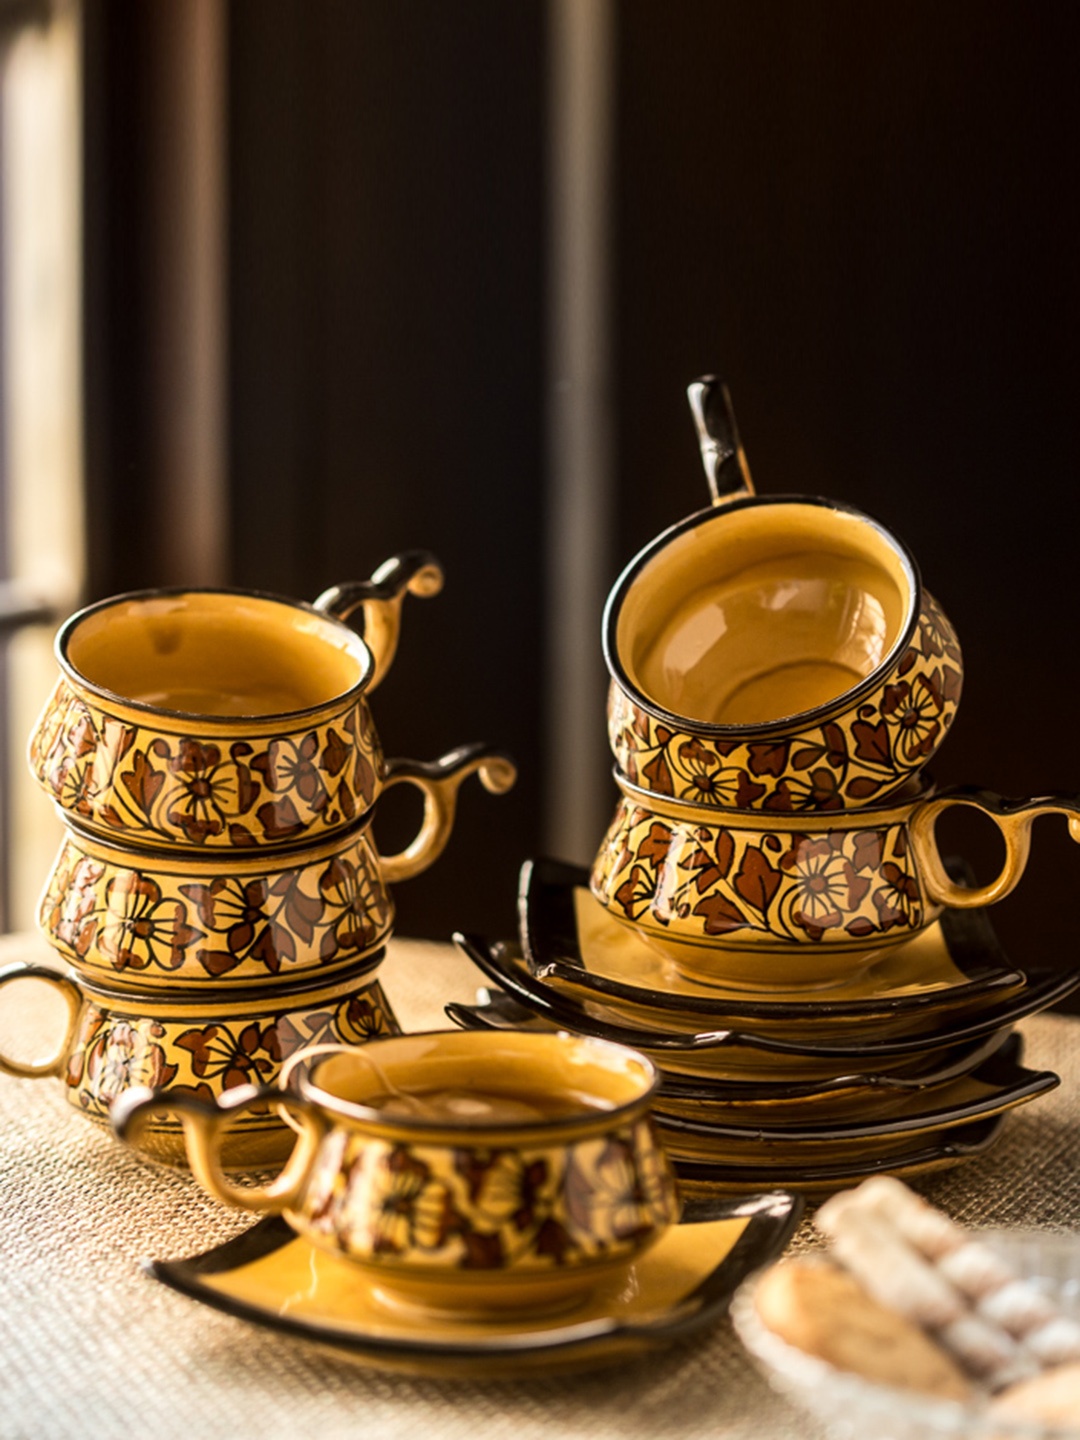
192, 923
150, 786
750, 885
856, 759
394, 1202
114, 1051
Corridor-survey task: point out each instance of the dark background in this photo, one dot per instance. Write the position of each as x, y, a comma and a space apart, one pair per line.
861, 215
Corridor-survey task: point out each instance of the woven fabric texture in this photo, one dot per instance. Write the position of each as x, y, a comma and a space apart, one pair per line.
90, 1346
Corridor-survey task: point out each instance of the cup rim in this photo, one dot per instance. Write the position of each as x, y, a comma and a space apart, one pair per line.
238, 723
783, 723
370, 1115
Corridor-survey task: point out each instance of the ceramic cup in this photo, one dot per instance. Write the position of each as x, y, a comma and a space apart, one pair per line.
224, 719
774, 652
198, 1047
464, 1171
126, 917
786, 900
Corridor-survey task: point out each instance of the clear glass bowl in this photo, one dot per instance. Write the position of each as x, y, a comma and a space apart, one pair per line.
851, 1408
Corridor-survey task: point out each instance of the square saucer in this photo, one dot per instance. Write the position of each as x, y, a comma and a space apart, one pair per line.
274, 1278
573, 945
998, 1083
752, 1053
923, 1157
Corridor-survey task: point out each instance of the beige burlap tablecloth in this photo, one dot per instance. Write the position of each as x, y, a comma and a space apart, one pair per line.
90, 1346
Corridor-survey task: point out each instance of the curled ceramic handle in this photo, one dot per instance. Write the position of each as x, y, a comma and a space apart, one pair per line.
439, 781
722, 454
379, 601
52, 1064
203, 1122
1013, 818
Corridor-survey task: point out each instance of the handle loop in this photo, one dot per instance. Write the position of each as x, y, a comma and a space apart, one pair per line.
379, 601
52, 1064
1013, 818
203, 1122
722, 454
439, 782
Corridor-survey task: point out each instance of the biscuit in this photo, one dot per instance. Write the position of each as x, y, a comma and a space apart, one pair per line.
1052, 1398
819, 1308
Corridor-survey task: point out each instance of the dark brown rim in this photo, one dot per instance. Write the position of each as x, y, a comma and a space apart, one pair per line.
783, 723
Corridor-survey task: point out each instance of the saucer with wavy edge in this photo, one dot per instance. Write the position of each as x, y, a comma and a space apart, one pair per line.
748, 1050
274, 1278
922, 1158
859, 1092
570, 942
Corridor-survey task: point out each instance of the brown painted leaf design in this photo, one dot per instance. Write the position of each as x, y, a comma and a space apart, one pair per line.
747, 792
279, 819
481, 1251
720, 914
757, 881
554, 1240
240, 835
658, 774
860, 927
951, 684
868, 849
836, 744
657, 843
768, 759
872, 742
142, 782
335, 753
862, 787
806, 756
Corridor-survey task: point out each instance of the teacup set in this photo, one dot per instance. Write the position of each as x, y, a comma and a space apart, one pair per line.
769, 916
218, 900
770, 980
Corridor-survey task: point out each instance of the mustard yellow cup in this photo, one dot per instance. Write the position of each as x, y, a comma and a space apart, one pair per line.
774, 652
784, 900
197, 1047
223, 719
473, 1172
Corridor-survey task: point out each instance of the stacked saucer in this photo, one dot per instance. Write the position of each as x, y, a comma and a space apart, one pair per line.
768, 915
907, 1068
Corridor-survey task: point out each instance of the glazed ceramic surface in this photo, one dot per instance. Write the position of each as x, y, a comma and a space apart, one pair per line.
462, 1171
574, 945
751, 1059
222, 718
923, 1157
161, 919
199, 1047
274, 1278
775, 652
814, 897
999, 1083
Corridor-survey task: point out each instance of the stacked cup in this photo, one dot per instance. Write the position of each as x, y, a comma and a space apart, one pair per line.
780, 680
768, 916
218, 897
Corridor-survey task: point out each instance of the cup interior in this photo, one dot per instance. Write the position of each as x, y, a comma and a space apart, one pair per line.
476, 1081
216, 653
756, 613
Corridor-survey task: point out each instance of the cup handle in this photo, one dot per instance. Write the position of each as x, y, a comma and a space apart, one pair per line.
1014, 819
722, 454
413, 572
439, 781
203, 1121
52, 1064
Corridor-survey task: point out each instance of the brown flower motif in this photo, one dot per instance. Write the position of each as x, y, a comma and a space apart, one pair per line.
249, 1056
914, 712
393, 1204
826, 885
141, 928
204, 792
124, 1055
288, 767
897, 900
708, 780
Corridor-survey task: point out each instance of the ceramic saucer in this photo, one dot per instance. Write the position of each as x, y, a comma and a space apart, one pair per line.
924, 1157
270, 1276
572, 944
998, 1084
747, 1052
